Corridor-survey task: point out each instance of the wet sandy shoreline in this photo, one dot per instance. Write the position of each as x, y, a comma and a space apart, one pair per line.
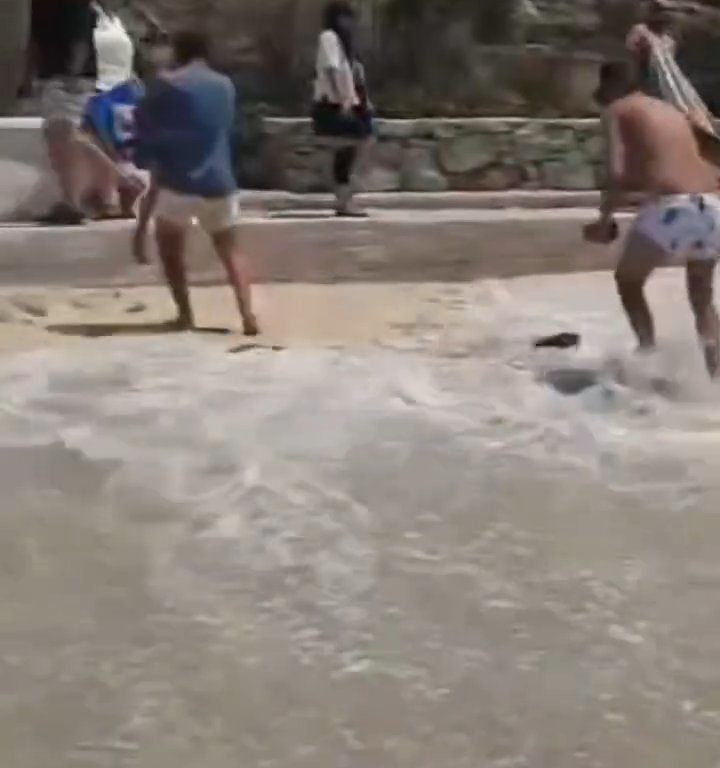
291, 315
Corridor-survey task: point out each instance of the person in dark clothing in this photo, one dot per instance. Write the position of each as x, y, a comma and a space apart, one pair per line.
341, 106
64, 60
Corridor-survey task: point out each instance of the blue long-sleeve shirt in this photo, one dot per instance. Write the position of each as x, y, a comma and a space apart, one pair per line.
184, 132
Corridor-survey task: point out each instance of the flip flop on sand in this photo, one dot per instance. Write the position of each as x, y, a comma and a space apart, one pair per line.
559, 341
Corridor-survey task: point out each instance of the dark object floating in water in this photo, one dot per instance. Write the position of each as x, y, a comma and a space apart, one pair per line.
571, 381
575, 381
559, 341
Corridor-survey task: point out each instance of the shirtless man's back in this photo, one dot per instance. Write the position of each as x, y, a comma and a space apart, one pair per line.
651, 148
662, 156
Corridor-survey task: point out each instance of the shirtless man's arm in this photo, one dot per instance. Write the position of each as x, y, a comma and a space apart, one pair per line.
614, 166
605, 229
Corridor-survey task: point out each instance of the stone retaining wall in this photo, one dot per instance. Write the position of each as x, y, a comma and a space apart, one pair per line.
433, 155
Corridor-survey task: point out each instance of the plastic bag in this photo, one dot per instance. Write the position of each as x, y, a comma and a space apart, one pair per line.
115, 50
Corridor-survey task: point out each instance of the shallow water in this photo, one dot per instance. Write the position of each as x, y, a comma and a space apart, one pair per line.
420, 555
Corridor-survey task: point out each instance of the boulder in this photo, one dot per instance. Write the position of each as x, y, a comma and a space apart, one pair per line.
467, 153
380, 179
493, 178
573, 171
420, 173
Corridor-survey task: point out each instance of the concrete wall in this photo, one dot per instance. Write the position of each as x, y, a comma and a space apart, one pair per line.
432, 155
27, 188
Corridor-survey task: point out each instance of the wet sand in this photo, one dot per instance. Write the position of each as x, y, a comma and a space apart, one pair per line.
291, 315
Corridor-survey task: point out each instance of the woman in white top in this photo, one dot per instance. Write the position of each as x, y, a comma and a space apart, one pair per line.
341, 108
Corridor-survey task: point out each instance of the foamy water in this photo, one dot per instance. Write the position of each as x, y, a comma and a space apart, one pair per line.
417, 555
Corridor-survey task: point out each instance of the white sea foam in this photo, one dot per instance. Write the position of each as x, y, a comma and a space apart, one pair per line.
435, 530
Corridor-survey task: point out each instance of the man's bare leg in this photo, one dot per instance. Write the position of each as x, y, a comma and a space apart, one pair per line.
171, 249
227, 248
145, 213
66, 163
103, 175
700, 284
640, 257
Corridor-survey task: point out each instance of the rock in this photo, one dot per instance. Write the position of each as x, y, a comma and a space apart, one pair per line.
136, 308
309, 179
380, 179
419, 172
386, 153
425, 180
491, 178
559, 139
572, 172
467, 153
595, 147
395, 129
530, 143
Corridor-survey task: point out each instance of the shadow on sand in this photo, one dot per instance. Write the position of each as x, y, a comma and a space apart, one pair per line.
102, 330
250, 346
302, 215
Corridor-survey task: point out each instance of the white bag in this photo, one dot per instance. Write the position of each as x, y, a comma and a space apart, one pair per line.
677, 89
115, 50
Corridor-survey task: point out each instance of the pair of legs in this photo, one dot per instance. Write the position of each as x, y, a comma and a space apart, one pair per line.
641, 256
345, 163
350, 133
146, 209
79, 164
111, 191
171, 238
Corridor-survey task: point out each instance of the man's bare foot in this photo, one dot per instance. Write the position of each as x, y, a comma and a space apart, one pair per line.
129, 196
712, 359
645, 349
251, 326
139, 248
182, 323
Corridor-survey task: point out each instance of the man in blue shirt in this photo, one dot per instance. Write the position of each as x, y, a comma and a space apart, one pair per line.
184, 129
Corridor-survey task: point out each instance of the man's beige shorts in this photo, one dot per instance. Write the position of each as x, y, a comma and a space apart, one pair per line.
213, 214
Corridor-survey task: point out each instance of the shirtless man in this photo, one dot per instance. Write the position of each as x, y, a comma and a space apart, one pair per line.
651, 149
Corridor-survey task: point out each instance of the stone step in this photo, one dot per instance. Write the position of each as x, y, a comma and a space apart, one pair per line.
281, 201
390, 246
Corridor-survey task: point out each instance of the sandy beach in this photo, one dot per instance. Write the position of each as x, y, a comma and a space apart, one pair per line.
291, 315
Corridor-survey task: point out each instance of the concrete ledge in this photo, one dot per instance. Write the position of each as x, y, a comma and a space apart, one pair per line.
391, 246
281, 201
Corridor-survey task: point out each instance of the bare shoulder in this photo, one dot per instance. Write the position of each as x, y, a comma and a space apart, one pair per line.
615, 111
